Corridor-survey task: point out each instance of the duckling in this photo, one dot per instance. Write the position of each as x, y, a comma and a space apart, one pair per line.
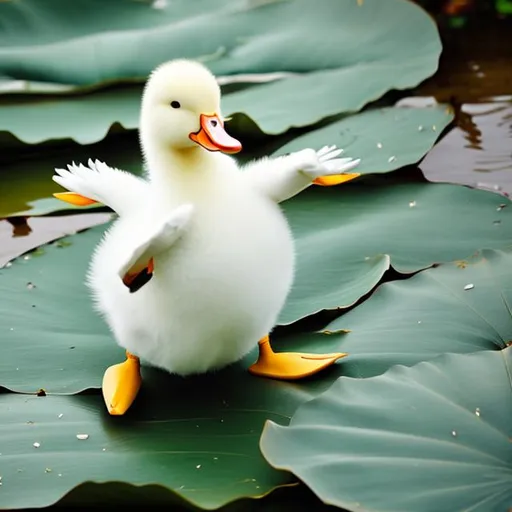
200, 261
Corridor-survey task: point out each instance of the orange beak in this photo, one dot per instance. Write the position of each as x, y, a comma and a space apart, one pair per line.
213, 137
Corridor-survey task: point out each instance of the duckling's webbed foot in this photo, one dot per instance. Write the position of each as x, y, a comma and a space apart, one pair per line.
120, 386
139, 267
289, 365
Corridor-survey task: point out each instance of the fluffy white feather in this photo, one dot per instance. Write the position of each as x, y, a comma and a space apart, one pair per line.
120, 190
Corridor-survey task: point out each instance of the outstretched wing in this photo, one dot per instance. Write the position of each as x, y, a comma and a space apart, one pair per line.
101, 183
285, 176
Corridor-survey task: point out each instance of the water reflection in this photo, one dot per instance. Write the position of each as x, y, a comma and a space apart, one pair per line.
478, 150
19, 235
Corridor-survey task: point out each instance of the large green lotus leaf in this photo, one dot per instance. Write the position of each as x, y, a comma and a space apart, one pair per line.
199, 442
28, 182
343, 232
463, 306
104, 41
85, 119
432, 437
385, 139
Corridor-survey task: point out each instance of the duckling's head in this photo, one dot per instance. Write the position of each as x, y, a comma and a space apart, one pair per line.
181, 109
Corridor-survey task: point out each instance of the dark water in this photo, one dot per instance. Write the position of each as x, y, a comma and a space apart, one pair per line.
475, 76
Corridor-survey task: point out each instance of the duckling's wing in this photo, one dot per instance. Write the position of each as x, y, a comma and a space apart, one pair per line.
283, 177
138, 266
101, 183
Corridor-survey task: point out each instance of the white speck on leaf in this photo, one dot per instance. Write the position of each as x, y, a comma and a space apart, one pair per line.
412, 204
82, 437
477, 411
159, 4
379, 145
36, 445
198, 466
454, 433
391, 159
469, 286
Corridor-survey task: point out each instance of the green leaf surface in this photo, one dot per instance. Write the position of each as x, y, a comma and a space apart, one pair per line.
341, 231
385, 139
432, 437
107, 41
462, 307
85, 119
199, 441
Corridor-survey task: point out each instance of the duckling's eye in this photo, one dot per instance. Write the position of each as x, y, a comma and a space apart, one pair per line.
175, 104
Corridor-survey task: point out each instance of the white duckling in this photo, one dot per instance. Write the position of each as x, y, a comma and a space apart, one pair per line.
198, 265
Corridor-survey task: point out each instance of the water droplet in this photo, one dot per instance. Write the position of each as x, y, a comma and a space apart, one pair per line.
36, 445
222, 421
27, 257
31, 286
469, 286
215, 458
412, 204
419, 321
103, 449
82, 437
454, 433
391, 159
60, 415
47, 470
159, 4
434, 127
500, 207
8, 264
420, 128
477, 411
60, 474
379, 145
198, 466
